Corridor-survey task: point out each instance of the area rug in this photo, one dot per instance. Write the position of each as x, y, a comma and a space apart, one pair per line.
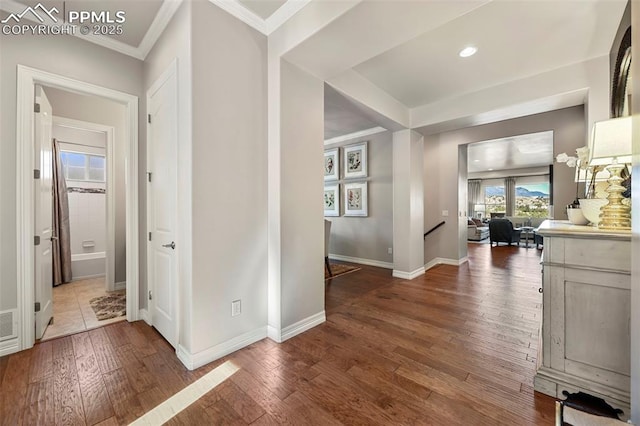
339, 269
109, 306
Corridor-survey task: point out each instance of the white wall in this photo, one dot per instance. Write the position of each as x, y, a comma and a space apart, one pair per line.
408, 204
101, 111
367, 237
229, 70
173, 44
302, 115
63, 55
441, 170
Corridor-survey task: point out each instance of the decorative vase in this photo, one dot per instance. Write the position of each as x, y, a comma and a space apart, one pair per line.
575, 216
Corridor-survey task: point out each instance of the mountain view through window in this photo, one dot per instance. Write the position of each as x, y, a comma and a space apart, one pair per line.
532, 199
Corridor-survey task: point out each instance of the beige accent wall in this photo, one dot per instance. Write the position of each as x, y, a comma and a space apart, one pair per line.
229, 81
442, 170
367, 237
302, 118
63, 55
102, 111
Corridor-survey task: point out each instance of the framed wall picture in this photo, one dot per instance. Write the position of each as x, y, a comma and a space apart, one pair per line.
331, 165
355, 161
355, 199
332, 200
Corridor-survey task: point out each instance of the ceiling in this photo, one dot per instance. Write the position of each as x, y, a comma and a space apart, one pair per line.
139, 14
407, 50
515, 39
515, 152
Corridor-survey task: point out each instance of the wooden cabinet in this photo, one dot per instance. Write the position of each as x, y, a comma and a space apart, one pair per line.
586, 311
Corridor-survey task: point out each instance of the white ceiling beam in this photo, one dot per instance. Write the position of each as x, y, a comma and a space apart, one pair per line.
283, 14
581, 83
311, 19
354, 135
374, 102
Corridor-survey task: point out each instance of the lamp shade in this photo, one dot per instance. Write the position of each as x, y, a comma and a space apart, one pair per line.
611, 142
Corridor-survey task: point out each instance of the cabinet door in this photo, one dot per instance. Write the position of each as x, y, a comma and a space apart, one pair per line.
594, 338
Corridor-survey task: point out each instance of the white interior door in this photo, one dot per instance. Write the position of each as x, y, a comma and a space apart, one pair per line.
162, 153
43, 203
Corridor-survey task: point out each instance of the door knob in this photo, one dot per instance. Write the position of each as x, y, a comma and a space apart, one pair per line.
172, 246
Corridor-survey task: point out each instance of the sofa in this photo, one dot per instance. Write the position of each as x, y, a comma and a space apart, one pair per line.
476, 231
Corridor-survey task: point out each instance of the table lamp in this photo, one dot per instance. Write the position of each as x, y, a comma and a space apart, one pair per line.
611, 146
479, 208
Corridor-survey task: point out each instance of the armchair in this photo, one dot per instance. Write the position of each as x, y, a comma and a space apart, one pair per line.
502, 231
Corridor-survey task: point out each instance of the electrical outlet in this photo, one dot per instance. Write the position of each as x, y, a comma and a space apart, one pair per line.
390, 250
236, 308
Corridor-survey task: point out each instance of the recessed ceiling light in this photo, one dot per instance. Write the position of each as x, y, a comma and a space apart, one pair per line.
468, 51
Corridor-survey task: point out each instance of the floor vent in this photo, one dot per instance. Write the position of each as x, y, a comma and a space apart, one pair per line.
8, 325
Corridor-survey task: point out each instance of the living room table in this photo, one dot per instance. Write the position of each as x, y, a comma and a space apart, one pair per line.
527, 233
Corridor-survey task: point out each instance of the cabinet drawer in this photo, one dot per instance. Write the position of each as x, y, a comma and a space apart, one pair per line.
600, 254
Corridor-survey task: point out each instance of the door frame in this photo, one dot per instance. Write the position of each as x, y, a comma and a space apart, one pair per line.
110, 264
170, 72
27, 78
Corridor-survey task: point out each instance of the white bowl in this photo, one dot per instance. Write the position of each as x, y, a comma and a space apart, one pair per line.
576, 217
591, 208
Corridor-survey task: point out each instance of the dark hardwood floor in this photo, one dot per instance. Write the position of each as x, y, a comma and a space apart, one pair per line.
455, 347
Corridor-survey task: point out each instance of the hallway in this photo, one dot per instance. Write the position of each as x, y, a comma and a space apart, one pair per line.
455, 347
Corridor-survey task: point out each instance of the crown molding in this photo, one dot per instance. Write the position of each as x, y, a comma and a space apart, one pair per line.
236, 9
354, 135
157, 27
166, 12
265, 26
160, 22
283, 14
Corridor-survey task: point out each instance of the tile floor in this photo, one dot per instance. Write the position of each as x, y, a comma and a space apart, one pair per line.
71, 310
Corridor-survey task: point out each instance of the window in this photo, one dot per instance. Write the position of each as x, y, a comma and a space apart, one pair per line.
532, 197
83, 167
494, 199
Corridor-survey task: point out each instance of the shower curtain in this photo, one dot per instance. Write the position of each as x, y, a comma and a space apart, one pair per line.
61, 246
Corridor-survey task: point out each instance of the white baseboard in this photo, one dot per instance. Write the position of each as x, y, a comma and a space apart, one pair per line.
292, 330
370, 262
87, 277
9, 347
444, 261
143, 314
193, 361
408, 275
302, 326
122, 285
274, 334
